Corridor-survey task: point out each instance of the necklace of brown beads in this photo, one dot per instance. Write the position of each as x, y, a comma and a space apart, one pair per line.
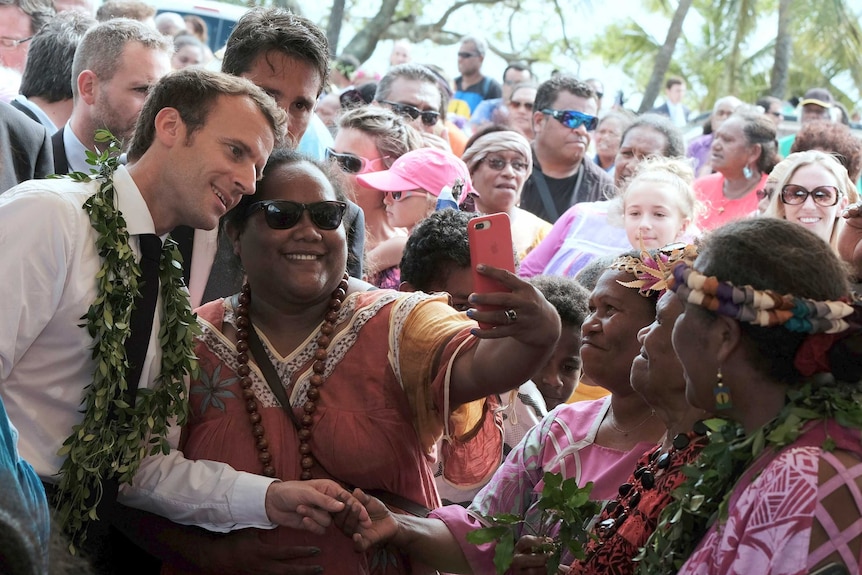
245, 335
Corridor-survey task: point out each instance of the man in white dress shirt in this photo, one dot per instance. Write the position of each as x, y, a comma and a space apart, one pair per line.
201, 143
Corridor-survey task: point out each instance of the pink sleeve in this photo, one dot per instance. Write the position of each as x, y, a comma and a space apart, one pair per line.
460, 522
535, 262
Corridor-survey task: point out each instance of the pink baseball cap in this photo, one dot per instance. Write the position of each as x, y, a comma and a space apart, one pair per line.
428, 169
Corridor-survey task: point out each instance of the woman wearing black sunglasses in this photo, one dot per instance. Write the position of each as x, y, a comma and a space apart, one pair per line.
305, 374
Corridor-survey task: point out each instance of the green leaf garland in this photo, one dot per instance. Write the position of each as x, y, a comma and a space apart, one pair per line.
704, 497
114, 436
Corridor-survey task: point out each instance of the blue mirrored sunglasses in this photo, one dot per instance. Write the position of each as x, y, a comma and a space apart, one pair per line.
572, 119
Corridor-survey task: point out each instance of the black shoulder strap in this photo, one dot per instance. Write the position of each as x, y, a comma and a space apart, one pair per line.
274, 381
545, 195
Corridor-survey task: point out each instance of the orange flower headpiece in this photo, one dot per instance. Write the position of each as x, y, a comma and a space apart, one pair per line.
654, 272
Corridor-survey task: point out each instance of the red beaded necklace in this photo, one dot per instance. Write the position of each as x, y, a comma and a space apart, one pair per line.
244, 327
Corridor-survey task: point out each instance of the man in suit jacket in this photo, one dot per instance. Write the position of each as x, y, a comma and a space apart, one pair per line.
673, 107
25, 151
45, 91
115, 65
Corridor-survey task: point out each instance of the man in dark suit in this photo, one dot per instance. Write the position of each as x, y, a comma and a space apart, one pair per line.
25, 150
115, 65
674, 90
46, 92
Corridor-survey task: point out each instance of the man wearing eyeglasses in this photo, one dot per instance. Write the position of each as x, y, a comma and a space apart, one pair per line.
564, 114
489, 110
472, 86
411, 91
19, 21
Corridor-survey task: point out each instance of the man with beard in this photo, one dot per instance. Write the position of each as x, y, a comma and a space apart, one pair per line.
564, 114
115, 65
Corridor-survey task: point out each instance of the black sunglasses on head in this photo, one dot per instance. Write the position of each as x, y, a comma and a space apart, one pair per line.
429, 118
284, 214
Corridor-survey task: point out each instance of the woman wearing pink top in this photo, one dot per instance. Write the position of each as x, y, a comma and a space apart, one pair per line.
743, 153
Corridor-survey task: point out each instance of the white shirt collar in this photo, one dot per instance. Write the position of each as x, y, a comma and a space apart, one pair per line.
132, 204
76, 153
43, 117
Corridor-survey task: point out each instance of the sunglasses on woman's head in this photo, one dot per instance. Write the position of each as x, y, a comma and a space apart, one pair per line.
284, 214
353, 164
352, 99
573, 119
429, 118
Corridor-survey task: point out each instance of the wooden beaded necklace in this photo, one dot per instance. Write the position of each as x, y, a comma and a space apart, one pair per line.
245, 332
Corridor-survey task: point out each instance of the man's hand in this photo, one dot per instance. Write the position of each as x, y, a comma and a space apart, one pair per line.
310, 505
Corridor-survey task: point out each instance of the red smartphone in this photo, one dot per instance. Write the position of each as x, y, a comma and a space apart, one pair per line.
490, 238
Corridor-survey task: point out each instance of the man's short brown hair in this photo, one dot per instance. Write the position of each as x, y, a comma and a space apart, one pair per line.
193, 92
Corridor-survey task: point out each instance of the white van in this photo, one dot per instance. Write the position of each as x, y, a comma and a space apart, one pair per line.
219, 16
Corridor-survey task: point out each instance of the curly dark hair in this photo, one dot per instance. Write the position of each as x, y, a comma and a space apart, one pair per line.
550, 89
831, 137
774, 254
439, 241
568, 297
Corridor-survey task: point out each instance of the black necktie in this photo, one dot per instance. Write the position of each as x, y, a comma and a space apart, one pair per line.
106, 547
185, 238
142, 315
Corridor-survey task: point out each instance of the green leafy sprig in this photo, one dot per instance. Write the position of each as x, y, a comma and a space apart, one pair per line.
563, 504
113, 436
704, 497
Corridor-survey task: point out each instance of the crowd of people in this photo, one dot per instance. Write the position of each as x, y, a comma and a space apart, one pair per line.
244, 331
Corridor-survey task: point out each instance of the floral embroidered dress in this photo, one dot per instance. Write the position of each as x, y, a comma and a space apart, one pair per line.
776, 504
562, 443
377, 416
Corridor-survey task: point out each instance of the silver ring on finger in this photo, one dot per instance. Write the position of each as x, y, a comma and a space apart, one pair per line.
511, 316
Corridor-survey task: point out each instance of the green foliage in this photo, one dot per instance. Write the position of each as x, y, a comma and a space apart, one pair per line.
703, 498
728, 57
563, 504
114, 436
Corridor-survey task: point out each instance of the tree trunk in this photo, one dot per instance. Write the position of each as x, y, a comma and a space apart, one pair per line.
362, 45
783, 46
662, 60
333, 27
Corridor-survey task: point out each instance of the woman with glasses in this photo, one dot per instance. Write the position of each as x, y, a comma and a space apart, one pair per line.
306, 374
814, 191
520, 107
742, 154
500, 161
370, 139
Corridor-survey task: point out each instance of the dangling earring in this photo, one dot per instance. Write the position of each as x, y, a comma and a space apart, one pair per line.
721, 393
746, 172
